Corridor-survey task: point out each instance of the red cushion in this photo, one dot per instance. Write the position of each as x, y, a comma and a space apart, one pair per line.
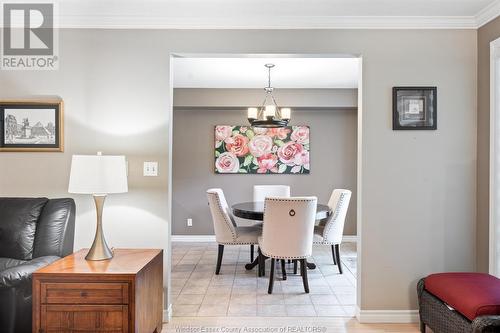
471, 294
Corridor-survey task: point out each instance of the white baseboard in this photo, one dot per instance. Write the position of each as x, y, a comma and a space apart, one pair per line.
167, 314
211, 238
349, 239
193, 238
387, 316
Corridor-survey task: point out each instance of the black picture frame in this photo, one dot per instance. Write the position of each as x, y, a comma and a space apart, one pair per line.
31, 126
414, 108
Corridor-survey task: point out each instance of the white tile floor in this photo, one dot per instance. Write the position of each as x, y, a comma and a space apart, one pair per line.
236, 292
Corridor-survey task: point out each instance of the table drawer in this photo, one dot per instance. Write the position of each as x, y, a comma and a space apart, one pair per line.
84, 293
84, 318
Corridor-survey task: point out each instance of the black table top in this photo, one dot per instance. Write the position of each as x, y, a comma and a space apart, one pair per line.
255, 210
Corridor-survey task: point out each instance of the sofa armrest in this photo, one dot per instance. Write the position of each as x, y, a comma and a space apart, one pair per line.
15, 276
420, 287
486, 324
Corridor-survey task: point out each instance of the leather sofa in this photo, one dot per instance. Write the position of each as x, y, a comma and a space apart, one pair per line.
34, 232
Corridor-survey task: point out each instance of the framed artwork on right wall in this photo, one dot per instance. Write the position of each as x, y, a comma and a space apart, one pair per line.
414, 108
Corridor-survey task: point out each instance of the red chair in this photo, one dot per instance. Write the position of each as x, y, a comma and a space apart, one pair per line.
459, 302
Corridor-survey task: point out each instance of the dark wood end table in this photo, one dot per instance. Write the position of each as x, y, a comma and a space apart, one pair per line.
124, 294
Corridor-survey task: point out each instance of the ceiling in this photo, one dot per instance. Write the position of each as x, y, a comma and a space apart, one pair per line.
260, 14
251, 73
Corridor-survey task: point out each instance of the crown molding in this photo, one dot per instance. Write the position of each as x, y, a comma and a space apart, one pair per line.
313, 22
488, 14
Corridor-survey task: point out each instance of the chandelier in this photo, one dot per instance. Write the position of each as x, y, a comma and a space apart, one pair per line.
269, 115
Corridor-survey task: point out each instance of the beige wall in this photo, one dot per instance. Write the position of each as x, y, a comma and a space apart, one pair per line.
333, 149
485, 35
418, 199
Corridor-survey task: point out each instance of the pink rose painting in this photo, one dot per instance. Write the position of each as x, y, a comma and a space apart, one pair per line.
237, 144
243, 149
260, 145
227, 163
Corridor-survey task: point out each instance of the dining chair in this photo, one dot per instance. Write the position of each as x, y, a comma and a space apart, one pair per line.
288, 233
260, 192
331, 232
226, 230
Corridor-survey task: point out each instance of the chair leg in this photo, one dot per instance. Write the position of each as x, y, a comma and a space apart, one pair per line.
303, 272
261, 262
295, 267
333, 255
264, 265
337, 255
283, 270
251, 252
271, 278
422, 327
219, 259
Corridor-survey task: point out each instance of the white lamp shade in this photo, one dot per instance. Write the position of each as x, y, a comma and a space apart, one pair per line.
98, 174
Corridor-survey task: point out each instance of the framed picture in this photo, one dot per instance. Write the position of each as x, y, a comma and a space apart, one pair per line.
31, 126
414, 108
253, 150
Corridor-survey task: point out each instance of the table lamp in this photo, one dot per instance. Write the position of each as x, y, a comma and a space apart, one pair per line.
98, 175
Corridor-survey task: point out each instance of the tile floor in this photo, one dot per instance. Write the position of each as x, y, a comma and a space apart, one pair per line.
236, 292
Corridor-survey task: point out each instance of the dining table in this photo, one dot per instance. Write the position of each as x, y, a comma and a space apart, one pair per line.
254, 210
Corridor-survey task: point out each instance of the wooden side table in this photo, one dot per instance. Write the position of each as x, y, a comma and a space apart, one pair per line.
124, 294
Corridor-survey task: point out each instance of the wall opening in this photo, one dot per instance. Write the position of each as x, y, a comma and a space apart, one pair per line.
190, 158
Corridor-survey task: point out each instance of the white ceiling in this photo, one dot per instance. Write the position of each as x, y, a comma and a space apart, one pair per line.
277, 13
251, 73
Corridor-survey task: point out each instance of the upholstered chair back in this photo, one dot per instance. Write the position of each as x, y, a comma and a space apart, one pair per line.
334, 227
223, 223
261, 192
288, 227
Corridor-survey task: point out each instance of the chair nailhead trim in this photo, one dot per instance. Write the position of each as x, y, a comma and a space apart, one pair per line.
335, 215
324, 243
228, 223
238, 243
281, 257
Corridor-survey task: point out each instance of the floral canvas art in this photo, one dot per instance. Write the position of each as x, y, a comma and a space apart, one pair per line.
243, 149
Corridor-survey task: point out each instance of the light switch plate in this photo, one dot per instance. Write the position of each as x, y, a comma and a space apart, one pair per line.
150, 169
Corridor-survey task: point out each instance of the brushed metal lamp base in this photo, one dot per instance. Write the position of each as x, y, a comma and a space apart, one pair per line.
100, 249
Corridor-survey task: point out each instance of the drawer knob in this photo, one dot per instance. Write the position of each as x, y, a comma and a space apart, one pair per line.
83, 294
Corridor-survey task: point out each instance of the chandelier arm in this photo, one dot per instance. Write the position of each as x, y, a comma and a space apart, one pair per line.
269, 77
274, 101
263, 105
